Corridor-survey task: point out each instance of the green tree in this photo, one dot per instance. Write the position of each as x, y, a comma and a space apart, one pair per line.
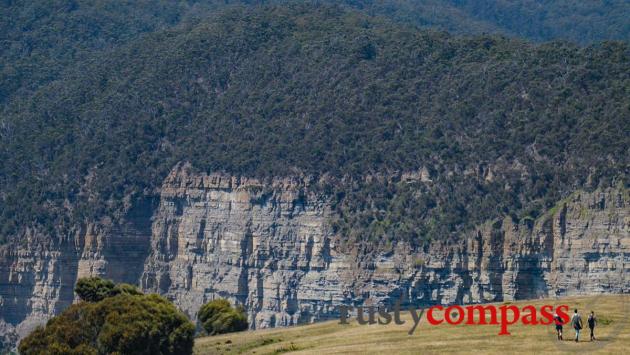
94, 289
121, 324
219, 317
127, 289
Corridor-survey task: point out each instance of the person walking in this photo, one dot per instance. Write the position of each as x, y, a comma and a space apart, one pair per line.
592, 321
576, 322
558, 321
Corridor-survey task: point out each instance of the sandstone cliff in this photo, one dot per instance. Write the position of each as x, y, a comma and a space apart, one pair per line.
268, 246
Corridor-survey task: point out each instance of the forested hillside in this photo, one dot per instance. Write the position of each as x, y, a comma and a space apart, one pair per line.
543, 20
277, 91
41, 38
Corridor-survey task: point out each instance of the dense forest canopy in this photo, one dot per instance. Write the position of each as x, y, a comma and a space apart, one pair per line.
41, 38
271, 91
542, 20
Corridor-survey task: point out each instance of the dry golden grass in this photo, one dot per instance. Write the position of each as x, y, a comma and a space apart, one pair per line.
613, 335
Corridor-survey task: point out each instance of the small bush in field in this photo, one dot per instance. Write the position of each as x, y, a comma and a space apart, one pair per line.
219, 317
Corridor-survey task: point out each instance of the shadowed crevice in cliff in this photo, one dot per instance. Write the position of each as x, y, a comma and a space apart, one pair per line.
530, 280
496, 266
130, 243
15, 289
247, 247
68, 267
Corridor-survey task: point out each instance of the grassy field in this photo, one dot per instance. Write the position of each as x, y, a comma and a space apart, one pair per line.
613, 334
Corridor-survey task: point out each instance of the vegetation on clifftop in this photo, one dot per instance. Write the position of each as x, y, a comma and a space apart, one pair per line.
502, 126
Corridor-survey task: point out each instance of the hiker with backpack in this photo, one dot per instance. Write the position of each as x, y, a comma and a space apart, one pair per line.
576, 322
558, 321
592, 321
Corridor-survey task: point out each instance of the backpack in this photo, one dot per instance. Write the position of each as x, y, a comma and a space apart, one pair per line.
577, 324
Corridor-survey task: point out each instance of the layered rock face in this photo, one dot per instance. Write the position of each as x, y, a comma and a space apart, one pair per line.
267, 245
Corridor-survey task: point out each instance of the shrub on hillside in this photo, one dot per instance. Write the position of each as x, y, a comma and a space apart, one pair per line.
95, 289
121, 324
219, 317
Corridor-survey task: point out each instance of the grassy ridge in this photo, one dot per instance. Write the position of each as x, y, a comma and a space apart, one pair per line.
613, 312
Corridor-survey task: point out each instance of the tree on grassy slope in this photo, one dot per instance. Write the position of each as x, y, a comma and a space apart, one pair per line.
219, 317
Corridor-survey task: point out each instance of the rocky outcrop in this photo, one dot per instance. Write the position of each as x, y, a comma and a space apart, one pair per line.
38, 273
267, 245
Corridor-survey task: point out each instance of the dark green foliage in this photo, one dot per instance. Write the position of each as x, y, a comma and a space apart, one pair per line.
94, 289
127, 289
42, 38
122, 324
322, 91
218, 317
542, 20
